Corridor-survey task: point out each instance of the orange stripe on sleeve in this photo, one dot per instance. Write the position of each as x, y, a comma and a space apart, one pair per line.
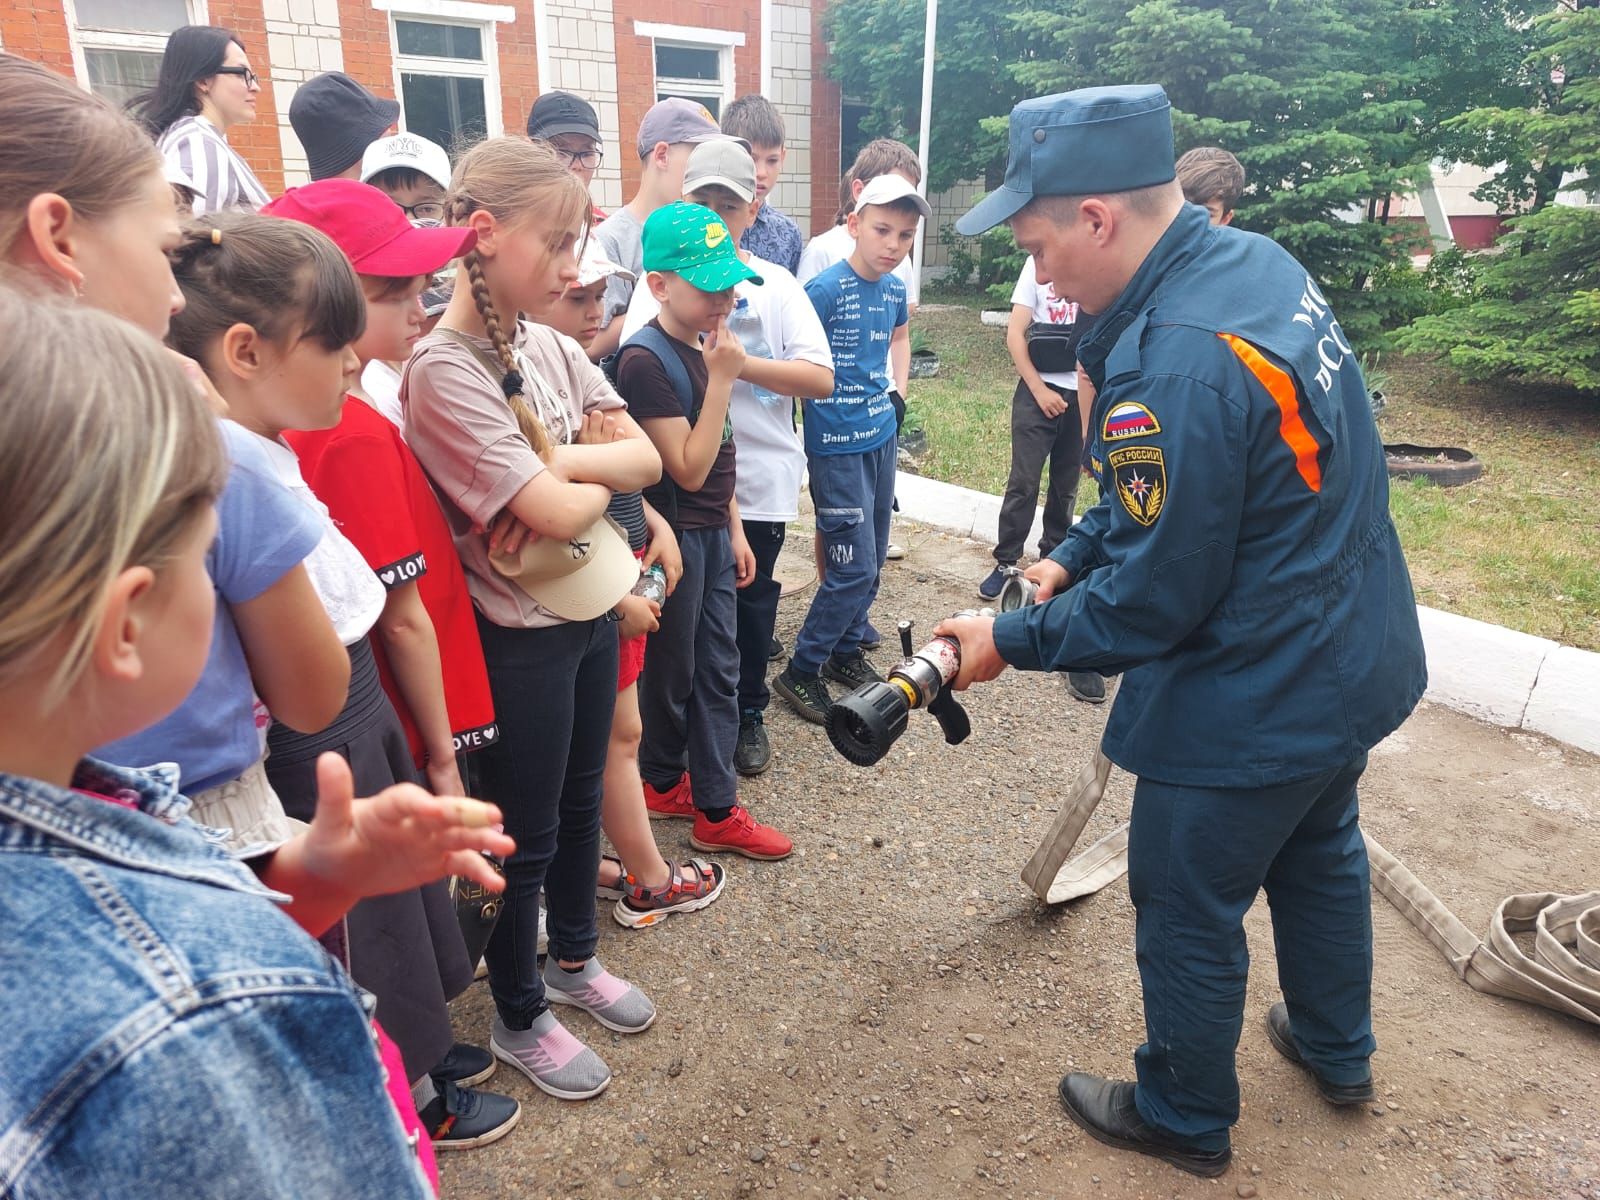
1291, 427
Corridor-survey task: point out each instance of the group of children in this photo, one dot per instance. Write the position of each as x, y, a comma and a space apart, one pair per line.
357, 534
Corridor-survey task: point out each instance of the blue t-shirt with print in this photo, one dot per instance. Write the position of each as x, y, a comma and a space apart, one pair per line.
263, 533
860, 316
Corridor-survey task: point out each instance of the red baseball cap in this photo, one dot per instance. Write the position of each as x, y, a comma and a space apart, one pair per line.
371, 229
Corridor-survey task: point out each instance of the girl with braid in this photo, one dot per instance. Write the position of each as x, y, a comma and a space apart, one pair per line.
526, 442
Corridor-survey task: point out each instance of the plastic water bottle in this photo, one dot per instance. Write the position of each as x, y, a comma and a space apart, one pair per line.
746, 325
652, 584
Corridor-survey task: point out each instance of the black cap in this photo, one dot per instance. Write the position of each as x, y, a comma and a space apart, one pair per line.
336, 119
561, 112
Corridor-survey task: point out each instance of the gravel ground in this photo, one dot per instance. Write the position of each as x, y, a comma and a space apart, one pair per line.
888, 1012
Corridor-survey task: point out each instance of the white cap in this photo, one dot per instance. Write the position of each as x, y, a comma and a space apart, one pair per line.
886, 189
595, 266
407, 150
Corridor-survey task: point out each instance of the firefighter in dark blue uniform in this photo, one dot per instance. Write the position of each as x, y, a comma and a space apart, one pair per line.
1242, 573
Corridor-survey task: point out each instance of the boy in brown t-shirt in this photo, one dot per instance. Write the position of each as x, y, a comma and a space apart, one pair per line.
678, 390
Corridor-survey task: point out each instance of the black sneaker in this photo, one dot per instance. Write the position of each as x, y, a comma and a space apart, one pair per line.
806, 694
1345, 1095
871, 639
989, 589
853, 671
774, 649
1086, 686
464, 1066
461, 1118
752, 753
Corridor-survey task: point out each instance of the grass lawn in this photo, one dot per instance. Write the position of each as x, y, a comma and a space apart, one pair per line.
1520, 547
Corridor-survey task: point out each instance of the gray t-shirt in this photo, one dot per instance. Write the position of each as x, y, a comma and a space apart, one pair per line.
466, 438
622, 237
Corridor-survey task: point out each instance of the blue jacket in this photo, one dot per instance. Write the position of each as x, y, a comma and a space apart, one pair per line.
168, 1030
1241, 568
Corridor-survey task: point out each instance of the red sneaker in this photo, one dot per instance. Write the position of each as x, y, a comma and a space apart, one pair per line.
676, 801
740, 834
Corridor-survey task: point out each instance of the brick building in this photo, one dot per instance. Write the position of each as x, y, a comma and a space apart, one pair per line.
461, 68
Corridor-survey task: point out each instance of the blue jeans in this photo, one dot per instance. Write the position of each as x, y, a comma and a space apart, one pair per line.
1196, 859
854, 497
688, 699
758, 613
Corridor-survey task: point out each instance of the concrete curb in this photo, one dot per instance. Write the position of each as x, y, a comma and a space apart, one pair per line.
1490, 672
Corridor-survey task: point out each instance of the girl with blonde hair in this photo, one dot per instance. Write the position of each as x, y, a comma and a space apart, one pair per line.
144, 964
525, 439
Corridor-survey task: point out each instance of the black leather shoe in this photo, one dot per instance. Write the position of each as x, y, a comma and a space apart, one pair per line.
1342, 1094
1104, 1109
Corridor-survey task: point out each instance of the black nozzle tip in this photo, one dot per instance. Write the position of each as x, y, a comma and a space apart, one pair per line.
863, 725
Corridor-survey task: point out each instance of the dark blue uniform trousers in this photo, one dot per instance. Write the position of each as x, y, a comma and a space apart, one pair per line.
1196, 859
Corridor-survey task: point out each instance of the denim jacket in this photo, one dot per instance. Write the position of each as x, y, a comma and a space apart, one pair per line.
167, 1030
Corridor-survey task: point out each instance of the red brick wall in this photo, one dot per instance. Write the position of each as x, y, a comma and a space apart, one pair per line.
38, 32
519, 69
636, 68
364, 37
825, 165
257, 142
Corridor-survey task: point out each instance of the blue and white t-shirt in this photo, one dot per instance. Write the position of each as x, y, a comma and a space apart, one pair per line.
860, 317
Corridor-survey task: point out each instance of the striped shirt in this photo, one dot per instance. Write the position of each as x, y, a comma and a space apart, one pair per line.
221, 178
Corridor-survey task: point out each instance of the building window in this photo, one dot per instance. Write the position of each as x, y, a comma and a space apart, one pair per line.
120, 42
703, 74
446, 79
853, 116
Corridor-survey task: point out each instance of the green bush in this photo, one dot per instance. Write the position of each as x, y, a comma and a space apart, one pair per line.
1529, 310
991, 260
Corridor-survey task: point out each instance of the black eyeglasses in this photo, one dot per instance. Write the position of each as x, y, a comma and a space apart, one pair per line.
427, 210
588, 159
251, 79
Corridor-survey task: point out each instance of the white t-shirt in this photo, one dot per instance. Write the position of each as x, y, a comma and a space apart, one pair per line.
348, 588
774, 320
1049, 308
381, 382
834, 245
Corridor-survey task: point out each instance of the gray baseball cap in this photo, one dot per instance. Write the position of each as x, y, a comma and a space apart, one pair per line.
675, 120
725, 161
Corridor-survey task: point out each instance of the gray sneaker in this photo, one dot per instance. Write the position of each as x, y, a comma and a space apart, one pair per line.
615, 1003
552, 1058
1086, 686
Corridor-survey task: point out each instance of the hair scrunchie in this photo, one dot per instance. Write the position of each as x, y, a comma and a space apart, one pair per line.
511, 384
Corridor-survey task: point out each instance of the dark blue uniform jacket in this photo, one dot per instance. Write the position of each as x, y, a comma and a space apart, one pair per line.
1241, 568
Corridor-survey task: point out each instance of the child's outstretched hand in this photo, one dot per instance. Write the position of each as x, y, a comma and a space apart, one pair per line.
724, 352
399, 839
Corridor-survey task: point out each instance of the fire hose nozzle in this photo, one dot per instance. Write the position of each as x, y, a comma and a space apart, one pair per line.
863, 725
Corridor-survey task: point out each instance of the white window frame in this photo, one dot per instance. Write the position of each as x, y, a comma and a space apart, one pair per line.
117, 39
482, 17
691, 37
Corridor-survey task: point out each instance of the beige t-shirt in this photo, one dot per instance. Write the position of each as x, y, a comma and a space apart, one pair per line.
463, 432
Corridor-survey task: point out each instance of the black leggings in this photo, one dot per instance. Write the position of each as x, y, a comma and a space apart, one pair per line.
554, 689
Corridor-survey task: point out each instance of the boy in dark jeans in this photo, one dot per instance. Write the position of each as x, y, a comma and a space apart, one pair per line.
1045, 426
850, 443
678, 390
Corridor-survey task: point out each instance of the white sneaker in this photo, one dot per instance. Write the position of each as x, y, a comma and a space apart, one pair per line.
894, 552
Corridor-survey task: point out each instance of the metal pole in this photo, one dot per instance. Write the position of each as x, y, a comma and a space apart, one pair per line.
929, 38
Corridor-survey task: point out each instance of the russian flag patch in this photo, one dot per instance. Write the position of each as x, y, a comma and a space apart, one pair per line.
1129, 419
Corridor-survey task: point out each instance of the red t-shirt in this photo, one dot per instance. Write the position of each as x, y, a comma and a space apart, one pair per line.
380, 499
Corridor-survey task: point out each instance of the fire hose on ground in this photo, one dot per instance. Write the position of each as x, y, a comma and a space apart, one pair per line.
1562, 972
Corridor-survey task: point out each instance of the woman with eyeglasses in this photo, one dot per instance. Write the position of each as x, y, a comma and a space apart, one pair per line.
205, 88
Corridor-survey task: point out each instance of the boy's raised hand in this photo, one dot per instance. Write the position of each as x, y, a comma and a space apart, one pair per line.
724, 352
399, 839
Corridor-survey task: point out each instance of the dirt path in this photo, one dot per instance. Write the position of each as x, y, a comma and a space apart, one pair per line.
888, 1013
